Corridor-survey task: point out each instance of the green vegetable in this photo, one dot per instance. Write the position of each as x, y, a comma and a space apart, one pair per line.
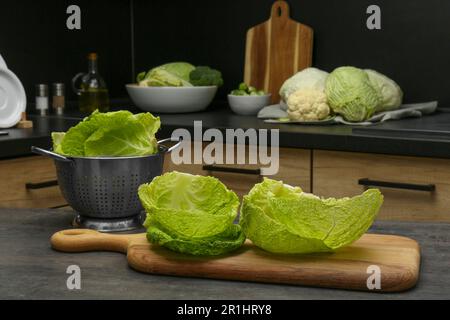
205, 76
243, 87
246, 90
169, 75
390, 91
282, 219
238, 93
351, 94
113, 134
252, 89
57, 138
191, 214
141, 76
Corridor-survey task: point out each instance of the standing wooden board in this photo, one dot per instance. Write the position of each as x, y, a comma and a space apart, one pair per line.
398, 259
276, 50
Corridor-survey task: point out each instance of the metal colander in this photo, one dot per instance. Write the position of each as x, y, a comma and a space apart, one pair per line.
106, 188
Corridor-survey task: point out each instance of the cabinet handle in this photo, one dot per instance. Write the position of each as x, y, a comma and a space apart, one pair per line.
395, 185
255, 172
41, 185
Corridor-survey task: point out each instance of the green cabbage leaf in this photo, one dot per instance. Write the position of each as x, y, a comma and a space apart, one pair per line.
112, 134
351, 94
282, 219
390, 92
191, 214
176, 74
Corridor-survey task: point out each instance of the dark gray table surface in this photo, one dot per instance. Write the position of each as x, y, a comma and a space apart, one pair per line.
428, 136
30, 269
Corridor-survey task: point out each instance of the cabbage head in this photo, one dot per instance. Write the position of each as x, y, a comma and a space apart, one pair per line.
390, 91
351, 94
308, 79
282, 219
174, 74
112, 134
191, 214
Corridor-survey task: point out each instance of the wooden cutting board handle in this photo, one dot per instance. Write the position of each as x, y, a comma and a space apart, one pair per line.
276, 50
280, 11
84, 240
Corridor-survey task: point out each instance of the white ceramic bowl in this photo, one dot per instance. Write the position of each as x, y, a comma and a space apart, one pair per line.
171, 99
248, 105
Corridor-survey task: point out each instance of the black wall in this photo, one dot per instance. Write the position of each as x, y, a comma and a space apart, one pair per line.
38, 47
413, 46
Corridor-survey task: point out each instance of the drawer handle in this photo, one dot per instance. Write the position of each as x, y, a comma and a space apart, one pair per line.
41, 185
395, 185
255, 172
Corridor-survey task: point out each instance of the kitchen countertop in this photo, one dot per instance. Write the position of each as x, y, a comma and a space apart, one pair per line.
424, 137
30, 269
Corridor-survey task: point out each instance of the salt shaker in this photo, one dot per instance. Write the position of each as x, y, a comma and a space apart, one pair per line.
42, 99
59, 100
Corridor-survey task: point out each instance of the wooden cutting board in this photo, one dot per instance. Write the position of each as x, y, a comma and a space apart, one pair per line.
276, 50
397, 257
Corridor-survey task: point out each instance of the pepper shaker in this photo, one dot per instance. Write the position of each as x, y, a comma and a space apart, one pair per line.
59, 100
42, 102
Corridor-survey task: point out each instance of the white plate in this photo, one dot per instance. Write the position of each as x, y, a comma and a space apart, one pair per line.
2, 63
13, 100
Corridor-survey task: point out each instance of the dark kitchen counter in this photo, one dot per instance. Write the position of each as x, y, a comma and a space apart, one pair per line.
30, 269
424, 137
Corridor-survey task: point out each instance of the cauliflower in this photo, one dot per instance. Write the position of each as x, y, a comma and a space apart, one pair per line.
310, 78
308, 105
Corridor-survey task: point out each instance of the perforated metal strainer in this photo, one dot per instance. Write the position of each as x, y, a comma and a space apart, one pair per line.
106, 188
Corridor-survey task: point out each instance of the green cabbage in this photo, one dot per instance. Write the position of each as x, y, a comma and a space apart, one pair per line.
174, 74
191, 214
390, 91
113, 134
351, 94
282, 219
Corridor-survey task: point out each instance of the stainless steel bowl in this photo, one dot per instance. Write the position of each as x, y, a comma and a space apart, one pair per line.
106, 188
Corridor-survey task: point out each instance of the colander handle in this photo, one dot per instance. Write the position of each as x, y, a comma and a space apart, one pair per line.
50, 154
175, 146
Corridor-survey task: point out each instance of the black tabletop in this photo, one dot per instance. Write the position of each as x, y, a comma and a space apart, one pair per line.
428, 136
30, 269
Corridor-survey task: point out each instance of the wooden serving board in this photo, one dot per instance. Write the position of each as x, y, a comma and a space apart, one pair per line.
276, 50
397, 257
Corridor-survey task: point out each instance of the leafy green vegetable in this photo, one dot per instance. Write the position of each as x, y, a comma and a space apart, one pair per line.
282, 219
228, 241
390, 91
205, 76
246, 90
113, 134
57, 138
141, 76
351, 94
174, 74
191, 214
